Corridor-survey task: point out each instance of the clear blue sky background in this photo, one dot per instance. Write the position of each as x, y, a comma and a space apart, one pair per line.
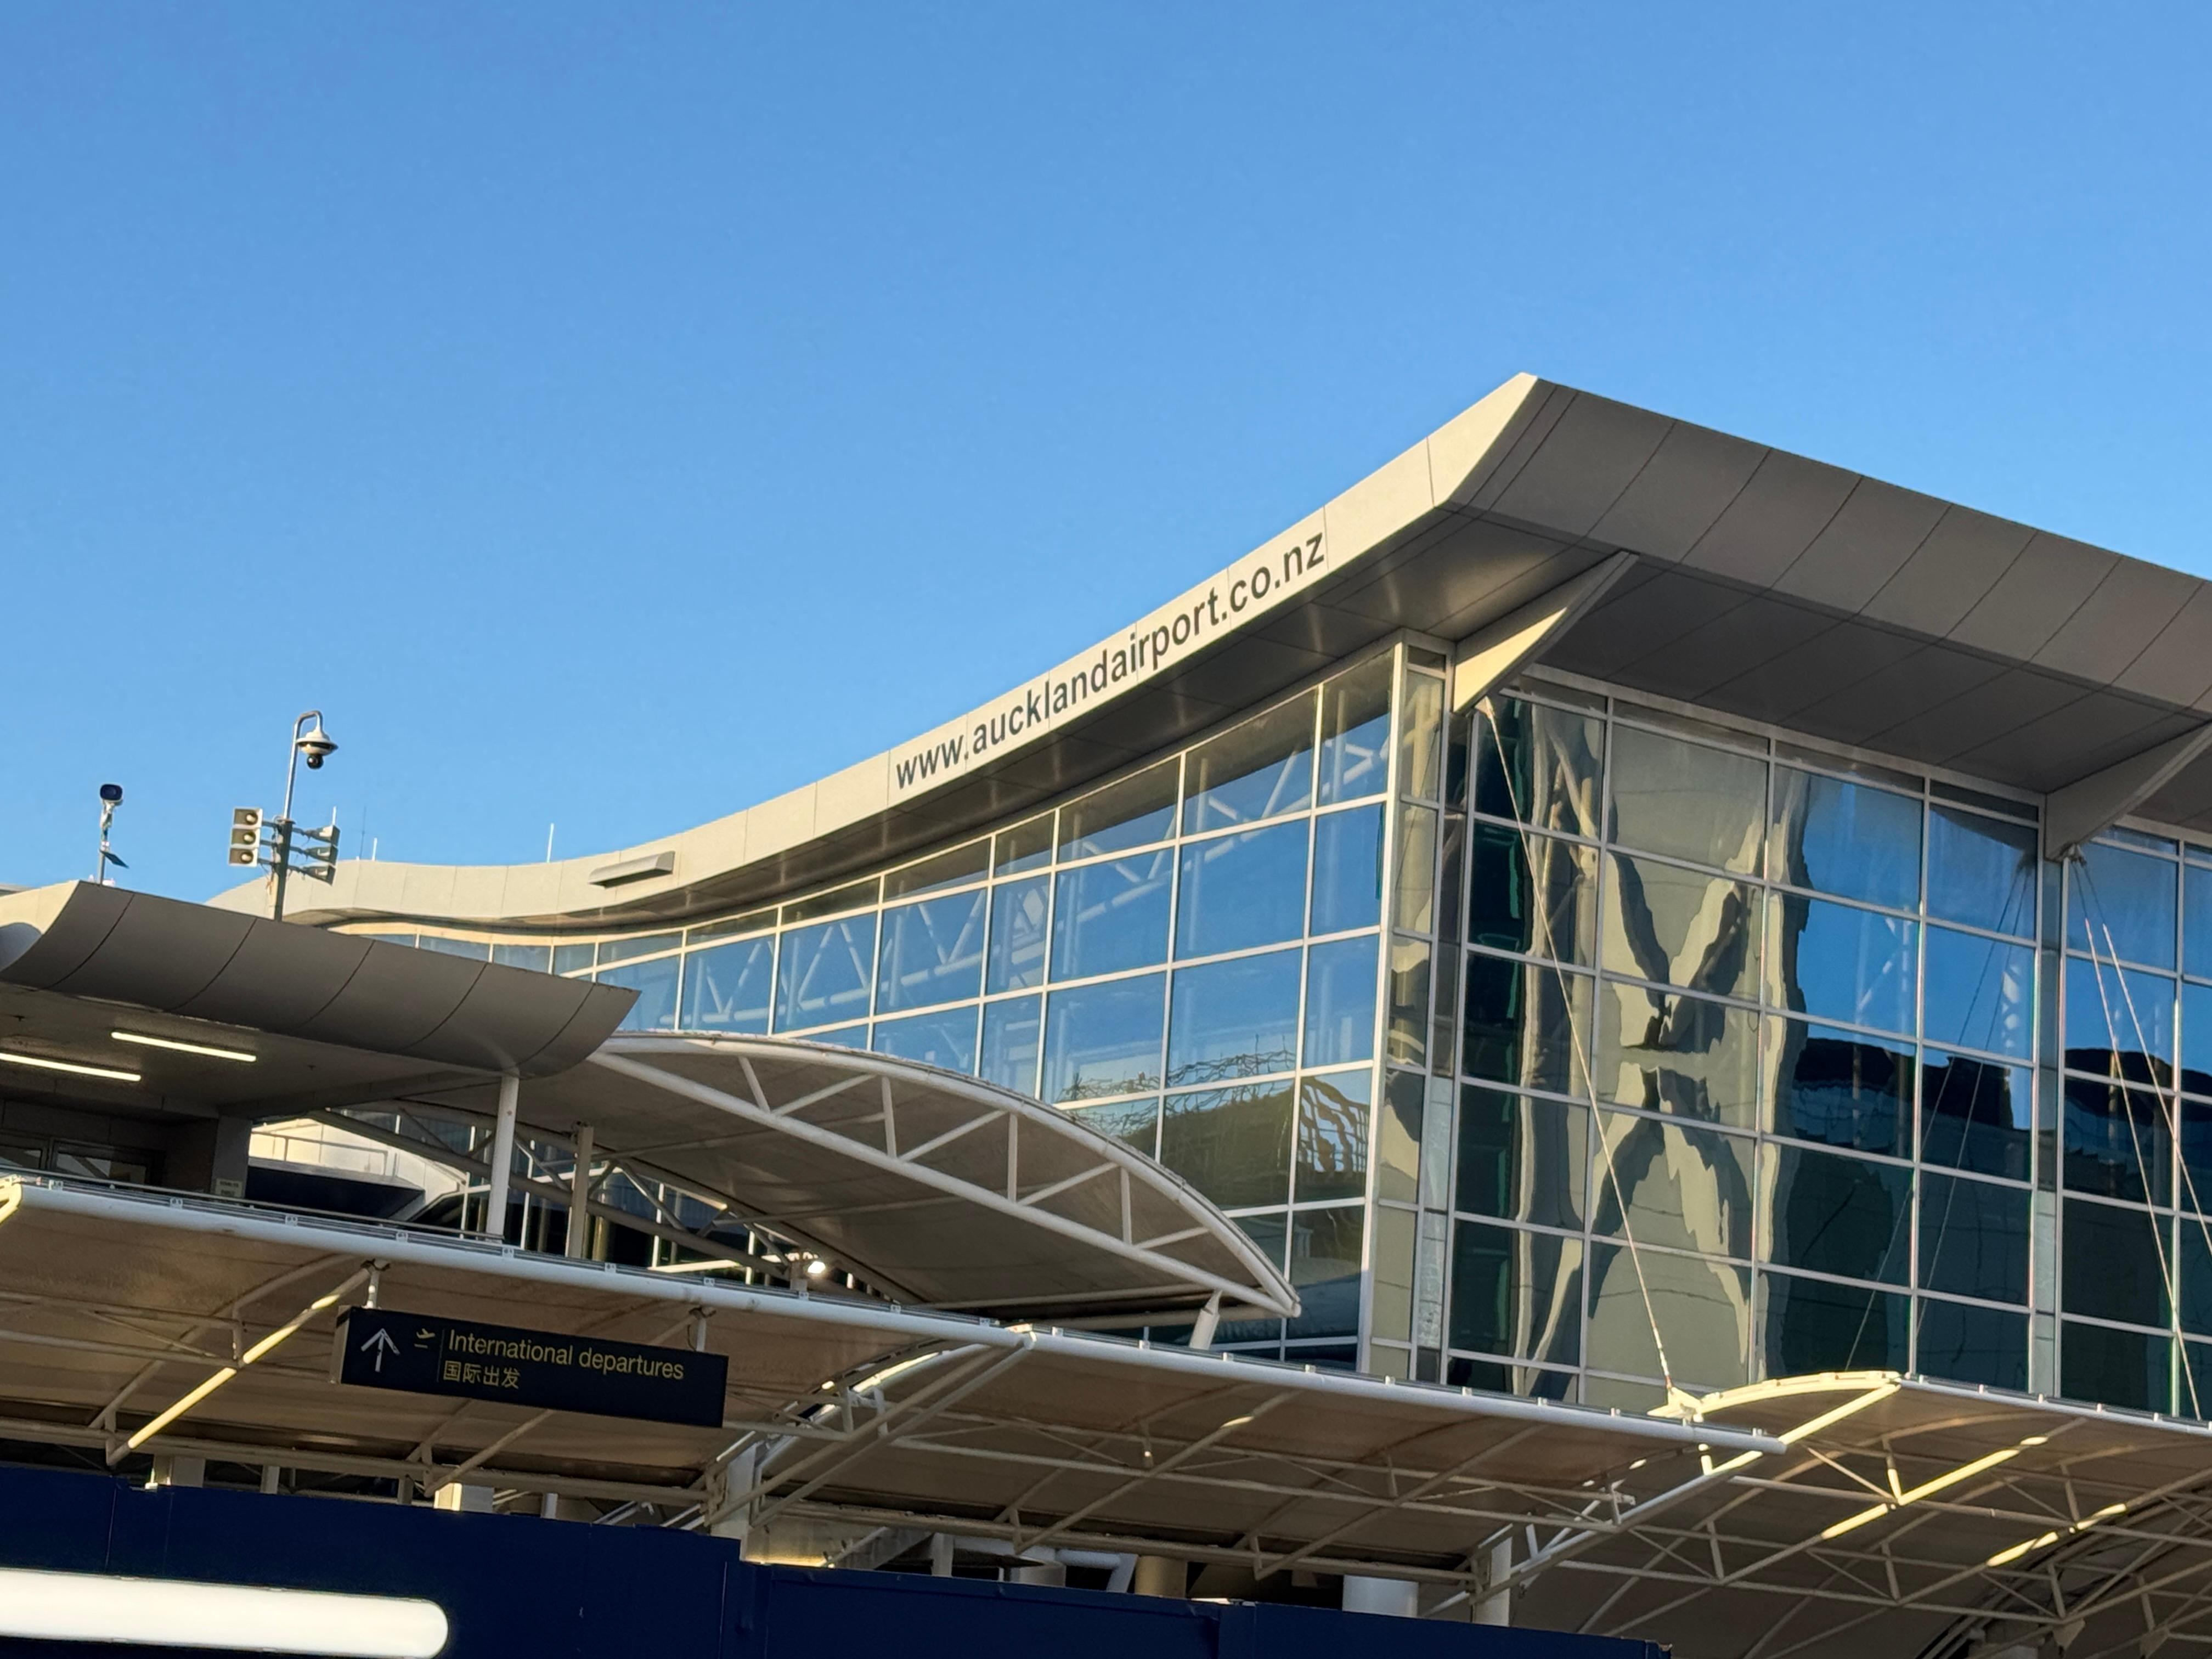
613, 415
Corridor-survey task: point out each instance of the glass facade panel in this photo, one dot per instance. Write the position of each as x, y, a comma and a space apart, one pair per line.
2115, 1368
1977, 1115
1018, 934
1233, 1145
1686, 801
1812, 1325
1260, 769
2196, 936
1848, 839
1978, 993
1534, 895
1355, 732
1668, 1052
2120, 902
933, 952
825, 972
1963, 1344
1521, 1024
1973, 1238
1843, 1088
1701, 1308
1332, 1117
728, 987
1420, 738
2117, 1259
1133, 1122
1325, 1246
654, 982
539, 958
1105, 1039
2119, 1022
2115, 1142
1339, 1018
1013, 1033
1838, 962
1539, 764
1236, 1018
1516, 1293
1347, 880
1138, 810
1108, 918
1827, 1213
943, 1040
1681, 1187
1521, 1159
1238, 890
956, 868
1681, 927
1981, 871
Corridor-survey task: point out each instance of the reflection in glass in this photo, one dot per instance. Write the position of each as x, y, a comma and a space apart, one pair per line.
726, 989
1408, 1036
1532, 894
1240, 891
859, 895
1415, 909
1018, 912
824, 973
1681, 928
2116, 1141
1683, 1054
1390, 1312
2115, 1260
1538, 764
1254, 771
1355, 732
2197, 1035
476, 950
1137, 810
1011, 1031
1107, 917
1515, 1293
1341, 1001
1830, 1214
1522, 1024
567, 959
1024, 847
1521, 1158
1848, 839
1813, 1326
1974, 1344
1838, 961
1980, 994
1235, 1018
611, 950
2120, 902
1981, 871
947, 1040
539, 958
1973, 1238
1333, 1113
1133, 1122
1420, 735
1347, 884
1530, 1381
1687, 801
1233, 1145
1702, 1308
654, 983
1325, 1250
933, 952
955, 868
2193, 1281
1681, 1188
1399, 1136
2114, 1368
1105, 1039
2197, 925
1976, 1115
1840, 1087
2119, 1022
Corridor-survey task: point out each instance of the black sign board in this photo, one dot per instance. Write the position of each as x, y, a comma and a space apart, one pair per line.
418, 1354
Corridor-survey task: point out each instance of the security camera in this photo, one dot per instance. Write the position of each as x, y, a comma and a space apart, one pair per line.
110, 792
316, 745
315, 760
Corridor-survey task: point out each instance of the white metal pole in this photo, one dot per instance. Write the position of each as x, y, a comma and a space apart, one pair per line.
502, 1155
580, 1197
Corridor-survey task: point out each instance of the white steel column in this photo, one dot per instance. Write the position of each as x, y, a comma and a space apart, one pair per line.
502, 1156
1398, 1598
580, 1197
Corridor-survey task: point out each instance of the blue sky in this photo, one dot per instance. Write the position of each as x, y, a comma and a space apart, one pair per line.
613, 415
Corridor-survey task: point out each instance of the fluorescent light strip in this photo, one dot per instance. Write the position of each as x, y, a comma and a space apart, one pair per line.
209, 1050
87, 1606
45, 1065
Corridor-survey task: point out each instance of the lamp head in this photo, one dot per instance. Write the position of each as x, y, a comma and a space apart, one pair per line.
315, 744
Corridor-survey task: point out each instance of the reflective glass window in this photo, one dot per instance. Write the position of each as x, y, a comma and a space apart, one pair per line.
1018, 924
539, 958
1670, 1053
1811, 1326
1963, 1344
1681, 927
1399, 1135
1848, 839
1107, 917
2197, 923
1978, 993
1010, 1033
1348, 884
1420, 738
2197, 1038
1534, 894
1235, 1018
1683, 799
1233, 1145
1843, 1088
2116, 1262
1415, 909
2193, 1271
654, 983
567, 959
1827, 1213
1239, 890
1981, 871
1678, 1186
2115, 1142
945, 1040
1137, 810
1407, 1038
1521, 1159
1976, 1115
2195, 1191
852, 897
845, 1036
726, 987
610, 950
1516, 1293
1326, 1247
825, 972
1973, 1238
1024, 847
1702, 1308
2114, 1368
755, 921
1260, 769
477, 951
1105, 1039
933, 952
1341, 1001
1133, 1122
956, 868
1333, 1117
1391, 1310
1522, 1025
1539, 764
1355, 732
2121, 902
1838, 962
2119, 1021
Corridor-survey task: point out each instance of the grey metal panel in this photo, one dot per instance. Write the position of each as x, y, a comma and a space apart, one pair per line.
86, 919
2177, 665
396, 998
2186, 800
1637, 621
2085, 737
1732, 644
1532, 425
1819, 668
1932, 674
159, 953
1954, 570
1979, 715
1875, 533
280, 977
505, 1022
1788, 502
1592, 454
1690, 479
2117, 622
2035, 597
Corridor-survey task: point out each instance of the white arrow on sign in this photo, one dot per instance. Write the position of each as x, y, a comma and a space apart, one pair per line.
380, 1343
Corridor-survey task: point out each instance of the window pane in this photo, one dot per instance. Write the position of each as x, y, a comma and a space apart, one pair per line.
2193, 1281
945, 1040
1130, 813
654, 983
539, 958
1107, 917
2196, 920
1011, 1029
2117, 1144
1254, 771
1522, 1025
2114, 1368
953, 869
476, 950
1024, 847
1830, 1214
1702, 1308
726, 989
1681, 927
1838, 961
1845, 838
1105, 1039
824, 973
852, 897
1815, 1327
1017, 910
1515, 1293
2116, 1262
1973, 1238
1408, 1036
1392, 1315
1686, 800
1670, 1053
567, 959
2196, 1037
1546, 910
1415, 909
845, 1036
1839, 1087
1341, 1001
2119, 1022
1325, 1246
1981, 871
1233, 1145
1133, 1122
1238, 890
1420, 733
1521, 1159
1978, 993
1538, 764
2121, 903
1236, 1018
1355, 732
932, 952
1974, 1344
1974, 1115
1682, 1188
1333, 1112
1399, 1135
1348, 887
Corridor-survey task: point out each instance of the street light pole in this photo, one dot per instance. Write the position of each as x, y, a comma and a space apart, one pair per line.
315, 744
